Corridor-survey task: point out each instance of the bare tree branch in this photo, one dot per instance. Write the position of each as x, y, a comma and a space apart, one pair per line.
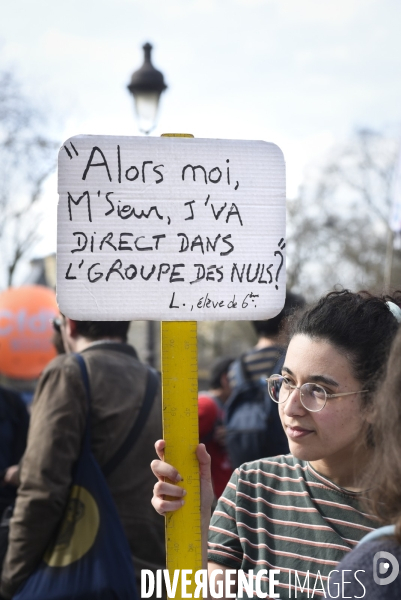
337, 227
27, 158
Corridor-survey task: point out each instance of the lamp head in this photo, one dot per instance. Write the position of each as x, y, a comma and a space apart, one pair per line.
147, 85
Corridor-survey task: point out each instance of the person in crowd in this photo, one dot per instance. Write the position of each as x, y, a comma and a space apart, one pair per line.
117, 382
211, 428
14, 423
252, 420
301, 513
260, 360
377, 576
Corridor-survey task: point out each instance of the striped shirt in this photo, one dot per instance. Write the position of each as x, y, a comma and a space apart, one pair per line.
279, 513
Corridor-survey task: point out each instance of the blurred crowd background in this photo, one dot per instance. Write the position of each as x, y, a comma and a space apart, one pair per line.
318, 79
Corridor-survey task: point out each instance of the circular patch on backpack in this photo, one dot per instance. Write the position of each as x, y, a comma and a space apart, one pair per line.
78, 529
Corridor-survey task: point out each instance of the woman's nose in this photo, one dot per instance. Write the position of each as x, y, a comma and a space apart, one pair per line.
293, 405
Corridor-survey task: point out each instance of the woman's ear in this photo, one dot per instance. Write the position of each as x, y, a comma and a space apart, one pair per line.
370, 415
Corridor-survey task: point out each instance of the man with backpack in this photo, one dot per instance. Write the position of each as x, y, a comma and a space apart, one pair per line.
117, 383
252, 421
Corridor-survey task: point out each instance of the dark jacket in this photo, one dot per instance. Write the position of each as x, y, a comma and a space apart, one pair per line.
117, 380
354, 576
14, 422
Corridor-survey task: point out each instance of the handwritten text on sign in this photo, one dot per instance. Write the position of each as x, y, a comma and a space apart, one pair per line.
170, 229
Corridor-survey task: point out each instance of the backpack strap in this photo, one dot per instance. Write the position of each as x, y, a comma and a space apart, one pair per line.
152, 383
387, 530
85, 376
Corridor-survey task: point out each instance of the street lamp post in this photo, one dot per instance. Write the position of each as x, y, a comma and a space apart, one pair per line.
146, 86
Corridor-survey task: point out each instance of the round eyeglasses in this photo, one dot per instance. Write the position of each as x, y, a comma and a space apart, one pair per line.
312, 395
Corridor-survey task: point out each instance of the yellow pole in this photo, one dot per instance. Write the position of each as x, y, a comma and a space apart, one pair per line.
179, 359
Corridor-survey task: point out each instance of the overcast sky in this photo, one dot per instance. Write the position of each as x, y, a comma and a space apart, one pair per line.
300, 73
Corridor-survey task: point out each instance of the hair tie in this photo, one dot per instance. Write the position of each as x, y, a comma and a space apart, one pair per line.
395, 309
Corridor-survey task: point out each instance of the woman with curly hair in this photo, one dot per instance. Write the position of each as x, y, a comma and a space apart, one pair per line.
300, 514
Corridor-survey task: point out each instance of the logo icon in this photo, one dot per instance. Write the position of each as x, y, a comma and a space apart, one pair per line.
78, 529
382, 561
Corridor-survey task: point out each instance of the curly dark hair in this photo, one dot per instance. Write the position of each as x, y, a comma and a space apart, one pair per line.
360, 325
383, 478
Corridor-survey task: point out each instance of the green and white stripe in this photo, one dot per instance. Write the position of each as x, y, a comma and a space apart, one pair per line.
279, 513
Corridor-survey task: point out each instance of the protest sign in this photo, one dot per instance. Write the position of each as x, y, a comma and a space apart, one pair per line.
170, 229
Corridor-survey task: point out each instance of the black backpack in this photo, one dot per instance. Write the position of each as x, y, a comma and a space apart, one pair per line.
253, 426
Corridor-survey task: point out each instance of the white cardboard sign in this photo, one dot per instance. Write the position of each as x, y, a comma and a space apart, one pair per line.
173, 229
